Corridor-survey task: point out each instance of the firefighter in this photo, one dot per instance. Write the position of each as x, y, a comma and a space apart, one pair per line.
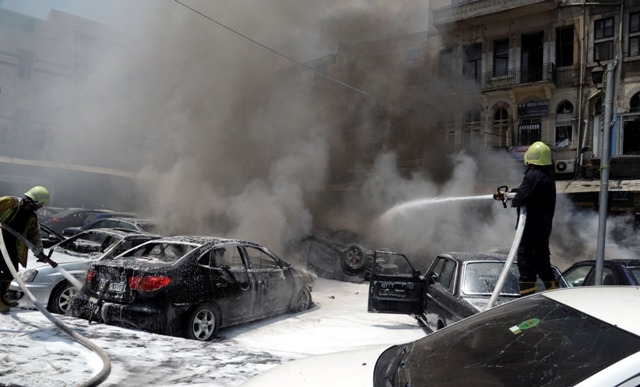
538, 193
20, 215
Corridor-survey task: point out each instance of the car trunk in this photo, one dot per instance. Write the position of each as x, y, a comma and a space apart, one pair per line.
112, 281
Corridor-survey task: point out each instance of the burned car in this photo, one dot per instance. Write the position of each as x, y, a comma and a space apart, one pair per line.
192, 286
74, 255
339, 255
455, 286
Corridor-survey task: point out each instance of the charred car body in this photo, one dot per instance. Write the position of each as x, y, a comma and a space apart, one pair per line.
455, 286
192, 286
338, 255
74, 255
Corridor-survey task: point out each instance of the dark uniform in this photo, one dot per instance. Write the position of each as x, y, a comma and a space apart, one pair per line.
538, 193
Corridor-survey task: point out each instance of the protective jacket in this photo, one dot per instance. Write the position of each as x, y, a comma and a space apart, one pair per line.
538, 193
23, 221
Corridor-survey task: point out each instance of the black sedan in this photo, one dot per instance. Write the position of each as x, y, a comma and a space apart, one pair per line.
614, 272
337, 255
192, 286
456, 286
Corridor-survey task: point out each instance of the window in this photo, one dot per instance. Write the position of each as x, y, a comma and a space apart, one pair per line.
445, 63
529, 130
564, 46
500, 128
260, 260
634, 34
501, 57
564, 124
25, 64
470, 128
473, 62
634, 103
603, 39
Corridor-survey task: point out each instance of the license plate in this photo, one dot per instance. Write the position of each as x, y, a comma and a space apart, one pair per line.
117, 287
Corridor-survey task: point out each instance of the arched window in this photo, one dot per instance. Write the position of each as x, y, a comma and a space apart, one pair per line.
564, 124
634, 103
500, 128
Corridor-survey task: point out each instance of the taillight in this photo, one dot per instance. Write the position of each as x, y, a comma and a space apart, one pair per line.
90, 275
148, 284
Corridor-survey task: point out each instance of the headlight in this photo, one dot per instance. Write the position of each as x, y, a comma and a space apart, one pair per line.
29, 275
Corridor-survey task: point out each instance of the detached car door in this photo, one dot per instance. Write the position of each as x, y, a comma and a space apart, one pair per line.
398, 293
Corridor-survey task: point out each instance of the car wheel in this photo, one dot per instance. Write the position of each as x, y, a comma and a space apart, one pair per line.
61, 298
203, 323
353, 258
302, 301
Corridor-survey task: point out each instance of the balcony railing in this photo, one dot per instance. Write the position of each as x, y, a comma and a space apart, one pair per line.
509, 78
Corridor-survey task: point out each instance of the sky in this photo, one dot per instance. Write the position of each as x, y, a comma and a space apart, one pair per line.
37, 353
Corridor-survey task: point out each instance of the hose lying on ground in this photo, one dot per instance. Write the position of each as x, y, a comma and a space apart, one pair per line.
102, 375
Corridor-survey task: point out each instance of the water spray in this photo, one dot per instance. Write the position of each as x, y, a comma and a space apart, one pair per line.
504, 196
419, 203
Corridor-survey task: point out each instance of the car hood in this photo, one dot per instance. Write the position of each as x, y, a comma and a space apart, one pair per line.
59, 258
350, 369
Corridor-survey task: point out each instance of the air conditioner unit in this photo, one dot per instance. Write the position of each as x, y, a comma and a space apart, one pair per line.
565, 166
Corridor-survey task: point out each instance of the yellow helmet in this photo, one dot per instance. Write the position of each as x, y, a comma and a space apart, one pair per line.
538, 154
38, 194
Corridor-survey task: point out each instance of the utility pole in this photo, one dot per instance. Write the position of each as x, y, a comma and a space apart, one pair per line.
604, 170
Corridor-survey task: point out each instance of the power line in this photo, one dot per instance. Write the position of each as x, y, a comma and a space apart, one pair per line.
278, 53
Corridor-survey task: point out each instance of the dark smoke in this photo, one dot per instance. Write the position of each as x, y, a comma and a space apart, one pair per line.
231, 139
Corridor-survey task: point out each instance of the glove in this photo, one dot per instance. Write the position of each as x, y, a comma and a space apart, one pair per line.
40, 256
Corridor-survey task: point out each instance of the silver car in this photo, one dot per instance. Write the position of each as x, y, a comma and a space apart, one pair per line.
73, 255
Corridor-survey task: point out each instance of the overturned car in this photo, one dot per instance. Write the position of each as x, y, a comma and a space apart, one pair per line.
339, 255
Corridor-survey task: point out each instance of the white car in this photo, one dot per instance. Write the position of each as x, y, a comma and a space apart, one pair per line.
74, 255
588, 336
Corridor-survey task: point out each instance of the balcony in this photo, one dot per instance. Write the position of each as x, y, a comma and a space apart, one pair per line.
518, 77
477, 12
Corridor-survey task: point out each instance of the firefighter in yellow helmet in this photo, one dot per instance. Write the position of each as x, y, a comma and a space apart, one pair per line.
538, 193
20, 215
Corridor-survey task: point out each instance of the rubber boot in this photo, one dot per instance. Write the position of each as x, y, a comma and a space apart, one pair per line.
4, 309
4, 294
527, 287
550, 285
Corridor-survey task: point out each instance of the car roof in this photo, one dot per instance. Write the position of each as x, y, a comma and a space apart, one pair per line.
112, 231
616, 305
474, 256
622, 261
76, 210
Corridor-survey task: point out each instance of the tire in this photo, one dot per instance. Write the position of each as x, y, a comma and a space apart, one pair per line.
353, 259
302, 301
61, 298
203, 323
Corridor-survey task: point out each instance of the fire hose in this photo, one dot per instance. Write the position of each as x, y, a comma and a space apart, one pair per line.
505, 196
102, 375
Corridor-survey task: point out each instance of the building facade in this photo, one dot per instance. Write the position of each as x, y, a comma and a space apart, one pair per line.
538, 68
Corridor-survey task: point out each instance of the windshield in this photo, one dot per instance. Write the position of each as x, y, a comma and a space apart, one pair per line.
635, 271
481, 278
162, 252
535, 341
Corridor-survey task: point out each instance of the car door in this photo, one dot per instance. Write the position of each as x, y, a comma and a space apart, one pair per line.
234, 287
274, 289
398, 293
440, 299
